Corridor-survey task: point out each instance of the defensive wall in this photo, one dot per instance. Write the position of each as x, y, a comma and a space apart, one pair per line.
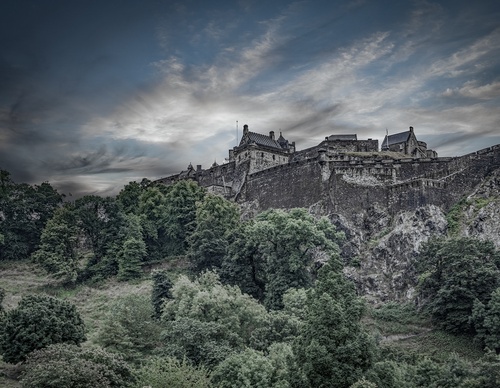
349, 184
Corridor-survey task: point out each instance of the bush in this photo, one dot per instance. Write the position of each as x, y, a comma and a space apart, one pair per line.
454, 273
172, 373
129, 327
64, 365
37, 322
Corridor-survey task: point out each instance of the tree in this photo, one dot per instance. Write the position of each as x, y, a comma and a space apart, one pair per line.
216, 220
276, 252
132, 251
333, 349
2, 296
58, 253
129, 197
247, 369
169, 217
25, 210
206, 320
129, 328
99, 221
37, 322
486, 321
453, 274
65, 365
181, 202
171, 373
162, 290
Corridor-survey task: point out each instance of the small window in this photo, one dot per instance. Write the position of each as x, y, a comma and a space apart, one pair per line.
262, 155
274, 157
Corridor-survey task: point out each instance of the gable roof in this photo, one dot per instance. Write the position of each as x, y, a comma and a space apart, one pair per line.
343, 137
396, 138
261, 140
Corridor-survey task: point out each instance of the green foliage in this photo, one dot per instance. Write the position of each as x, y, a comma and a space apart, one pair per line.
453, 274
486, 321
333, 349
129, 328
65, 365
206, 320
58, 253
25, 211
2, 296
248, 369
216, 220
37, 322
88, 228
133, 249
162, 290
363, 383
129, 196
169, 217
455, 216
276, 252
171, 373
181, 202
397, 318
99, 222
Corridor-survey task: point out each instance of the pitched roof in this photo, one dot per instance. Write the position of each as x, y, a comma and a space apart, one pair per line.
343, 137
396, 138
261, 140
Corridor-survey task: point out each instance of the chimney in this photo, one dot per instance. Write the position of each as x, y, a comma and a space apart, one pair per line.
411, 129
245, 129
198, 167
271, 135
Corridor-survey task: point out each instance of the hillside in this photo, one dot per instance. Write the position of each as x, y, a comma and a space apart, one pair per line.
168, 283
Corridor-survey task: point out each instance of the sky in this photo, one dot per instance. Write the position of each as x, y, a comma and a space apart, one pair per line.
95, 94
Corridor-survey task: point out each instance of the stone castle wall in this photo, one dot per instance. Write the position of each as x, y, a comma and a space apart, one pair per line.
352, 185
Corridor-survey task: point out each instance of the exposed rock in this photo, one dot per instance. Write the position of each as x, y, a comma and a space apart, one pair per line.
385, 264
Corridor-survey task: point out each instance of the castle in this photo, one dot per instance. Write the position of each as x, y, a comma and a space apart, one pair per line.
342, 174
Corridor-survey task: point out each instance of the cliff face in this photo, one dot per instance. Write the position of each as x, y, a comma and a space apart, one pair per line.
381, 250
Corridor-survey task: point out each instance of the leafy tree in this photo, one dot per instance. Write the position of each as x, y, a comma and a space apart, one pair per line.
130, 196
276, 252
283, 326
453, 274
37, 322
486, 321
25, 210
216, 219
206, 320
153, 212
247, 369
65, 365
251, 368
133, 249
181, 202
58, 253
363, 383
2, 296
333, 349
129, 328
171, 373
99, 220
162, 290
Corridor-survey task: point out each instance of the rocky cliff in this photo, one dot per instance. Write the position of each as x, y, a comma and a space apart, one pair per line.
381, 249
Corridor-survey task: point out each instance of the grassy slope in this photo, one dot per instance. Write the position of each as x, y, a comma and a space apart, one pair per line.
23, 278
